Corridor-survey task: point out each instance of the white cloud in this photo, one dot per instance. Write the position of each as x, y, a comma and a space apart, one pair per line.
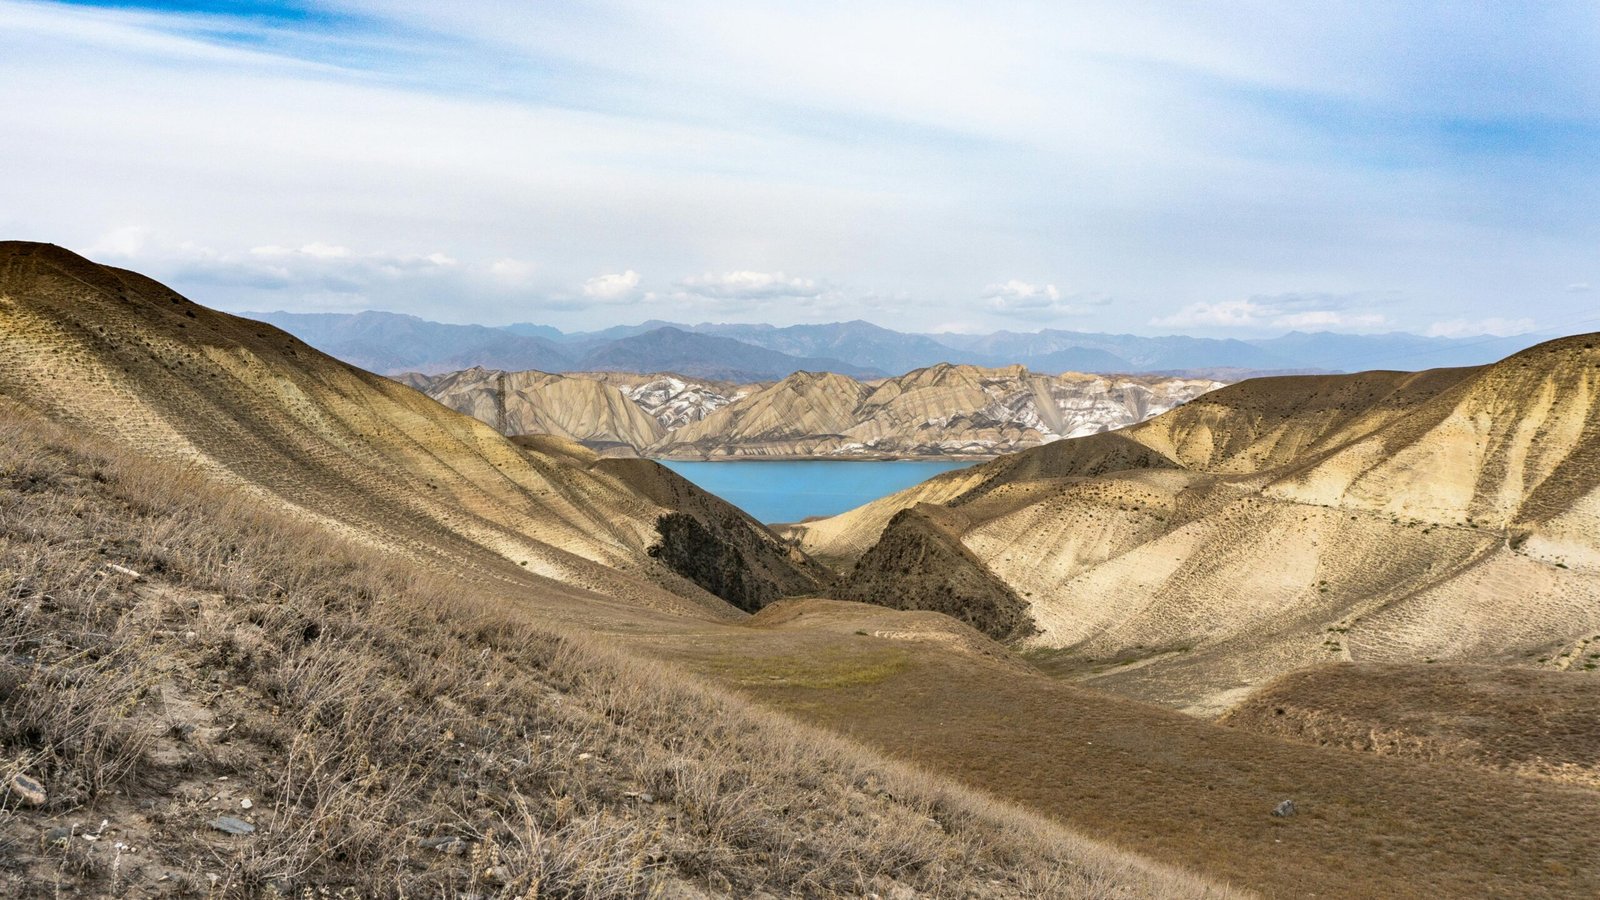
1021, 298
1281, 312
613, 287
748, 285
1578, 287
513, 271
1496, 326
1167, 154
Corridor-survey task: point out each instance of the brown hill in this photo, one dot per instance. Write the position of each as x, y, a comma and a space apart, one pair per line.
119, 355
919, 563
518, 403
383, 678
944, 410
1537, 723
1283, 522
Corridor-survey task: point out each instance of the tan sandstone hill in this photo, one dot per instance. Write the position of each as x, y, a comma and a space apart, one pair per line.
588, 411
944, 410
120, 355
1282, 522
334, 616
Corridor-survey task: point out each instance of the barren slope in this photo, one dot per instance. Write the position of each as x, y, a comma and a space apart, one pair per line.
122, 356
1284, 522
940, 410
478, 718
514, 403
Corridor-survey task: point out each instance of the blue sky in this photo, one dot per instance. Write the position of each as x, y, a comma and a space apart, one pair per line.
1222, 169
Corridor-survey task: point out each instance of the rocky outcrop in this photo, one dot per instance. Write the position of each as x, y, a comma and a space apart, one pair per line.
715, 544
919, 563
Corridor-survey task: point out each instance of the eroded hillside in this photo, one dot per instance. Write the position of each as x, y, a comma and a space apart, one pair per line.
1284, 522
119, 355
276, 571
944, 410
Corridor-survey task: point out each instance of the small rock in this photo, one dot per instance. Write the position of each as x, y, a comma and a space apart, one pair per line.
246, 803
497, 875
231, 825
647, 798
445, 843
585, 756
58, 837
1284, 810
27, 790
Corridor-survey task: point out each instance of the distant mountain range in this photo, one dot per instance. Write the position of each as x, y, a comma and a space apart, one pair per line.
393, 343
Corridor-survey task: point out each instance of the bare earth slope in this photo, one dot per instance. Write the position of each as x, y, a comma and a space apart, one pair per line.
516, 403
1537, 723
120, 355
408, 668
1283, 522
944, 410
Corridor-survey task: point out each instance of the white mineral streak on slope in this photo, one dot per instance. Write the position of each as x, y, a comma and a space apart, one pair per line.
675, 403
943, 410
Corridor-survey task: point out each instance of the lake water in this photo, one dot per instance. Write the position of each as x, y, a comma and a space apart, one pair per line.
792, 490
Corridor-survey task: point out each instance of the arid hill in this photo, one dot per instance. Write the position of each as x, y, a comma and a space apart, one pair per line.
237, 570
943, 410
114, 352
1449, 515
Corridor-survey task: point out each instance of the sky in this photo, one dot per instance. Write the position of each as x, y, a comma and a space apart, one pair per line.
1221, 169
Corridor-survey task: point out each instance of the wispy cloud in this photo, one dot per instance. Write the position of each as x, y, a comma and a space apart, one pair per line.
1166, 154
612, 288
1496, 326
1025, 299
748, 285
1282, 312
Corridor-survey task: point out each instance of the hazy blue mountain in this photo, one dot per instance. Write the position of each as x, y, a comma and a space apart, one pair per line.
529, 329
1079, 359
1394, 350
1135, 353
708, 356
857, 342
591, 339
391, 342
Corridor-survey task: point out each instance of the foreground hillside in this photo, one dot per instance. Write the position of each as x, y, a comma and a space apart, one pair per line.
117, 354
202, 697
1451, 515
942, 410
411, 710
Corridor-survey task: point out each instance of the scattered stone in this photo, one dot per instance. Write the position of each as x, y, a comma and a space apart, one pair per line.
446, 843
585, 756
231, 825
27, 790
246, 803
124, 571
497, 875
1284, 810
59, 836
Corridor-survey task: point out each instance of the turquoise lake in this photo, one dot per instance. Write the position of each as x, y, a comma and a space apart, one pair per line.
791, 490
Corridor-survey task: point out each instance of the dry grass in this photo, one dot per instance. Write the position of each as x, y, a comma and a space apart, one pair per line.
1529, 722
367, 709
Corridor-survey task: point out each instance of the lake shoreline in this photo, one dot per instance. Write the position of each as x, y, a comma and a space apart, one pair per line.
793, 490
950, 457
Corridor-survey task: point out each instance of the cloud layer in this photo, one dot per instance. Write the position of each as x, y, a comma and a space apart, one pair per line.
1179, 167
